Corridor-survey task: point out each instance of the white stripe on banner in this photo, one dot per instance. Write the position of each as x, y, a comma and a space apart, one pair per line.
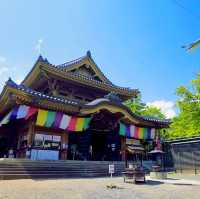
132, 130
22, 111
153, 133
5, 120
64, 122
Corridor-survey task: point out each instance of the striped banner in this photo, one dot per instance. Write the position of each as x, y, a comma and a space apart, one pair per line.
65, 122
22, 111
41, 117
122, 129
132, 131
49, 119
53, 119
19, 112
78, 124
6, 119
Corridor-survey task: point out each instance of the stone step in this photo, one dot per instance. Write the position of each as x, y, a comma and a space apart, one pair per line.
63, 172
56, 170
20, 168
49, 176
54, 167
60, 165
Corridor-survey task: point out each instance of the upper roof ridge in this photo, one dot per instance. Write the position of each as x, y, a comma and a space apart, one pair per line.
71, 62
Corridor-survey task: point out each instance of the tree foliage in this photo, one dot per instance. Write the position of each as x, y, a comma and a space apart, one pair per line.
187, 123
140, 108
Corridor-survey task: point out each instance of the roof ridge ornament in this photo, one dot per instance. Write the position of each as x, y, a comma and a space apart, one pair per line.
46, 61
10, 82
40, 58
89, 54
113, 97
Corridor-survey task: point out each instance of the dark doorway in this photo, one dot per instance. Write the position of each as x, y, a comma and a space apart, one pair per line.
99, 146
79, 146
3, 147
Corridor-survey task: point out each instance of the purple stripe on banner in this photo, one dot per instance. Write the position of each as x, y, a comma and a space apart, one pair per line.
128, 133
58, 119
13, 115
149, 133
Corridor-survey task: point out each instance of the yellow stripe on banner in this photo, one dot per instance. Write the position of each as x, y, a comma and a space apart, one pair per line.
140, 133
41, 117
79, 124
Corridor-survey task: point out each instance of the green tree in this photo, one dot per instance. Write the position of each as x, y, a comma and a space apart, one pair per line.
137, 106
140, 108
153, 112
187, 123
192, 45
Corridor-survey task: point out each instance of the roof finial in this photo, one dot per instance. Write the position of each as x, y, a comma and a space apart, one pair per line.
40, 58
88, 53
10, 82
46, 61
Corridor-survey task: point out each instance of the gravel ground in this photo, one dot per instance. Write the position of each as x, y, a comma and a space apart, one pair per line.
93, 189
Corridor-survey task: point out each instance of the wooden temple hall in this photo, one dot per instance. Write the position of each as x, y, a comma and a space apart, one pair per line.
71, 111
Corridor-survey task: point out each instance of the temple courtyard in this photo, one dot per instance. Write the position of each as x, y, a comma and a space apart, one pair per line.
100, 188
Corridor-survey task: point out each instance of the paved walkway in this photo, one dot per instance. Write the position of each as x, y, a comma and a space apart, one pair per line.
177, 181
96, 188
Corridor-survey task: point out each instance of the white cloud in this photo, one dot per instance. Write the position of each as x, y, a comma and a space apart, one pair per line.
3, 67
168, 108
3, 70
2, 59
19, 80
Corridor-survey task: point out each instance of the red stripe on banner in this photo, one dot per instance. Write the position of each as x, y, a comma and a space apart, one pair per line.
72, 124
136, 134
31, 111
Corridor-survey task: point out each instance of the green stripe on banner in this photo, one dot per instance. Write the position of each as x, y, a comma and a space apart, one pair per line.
50, 118
86, 123
122, 129
145, 133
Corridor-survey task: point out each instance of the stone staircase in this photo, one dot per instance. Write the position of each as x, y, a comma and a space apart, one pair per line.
22, 168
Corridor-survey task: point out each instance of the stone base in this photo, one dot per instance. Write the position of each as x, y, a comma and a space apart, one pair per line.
158, 175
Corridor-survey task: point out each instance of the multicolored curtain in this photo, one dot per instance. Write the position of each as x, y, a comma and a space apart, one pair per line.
6, 119
52, 119
132, 131
59, 120
49, 119
19, 112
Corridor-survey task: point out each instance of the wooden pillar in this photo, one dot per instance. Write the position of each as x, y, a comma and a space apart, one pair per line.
30, 133
123, 148
24, 130
64, 145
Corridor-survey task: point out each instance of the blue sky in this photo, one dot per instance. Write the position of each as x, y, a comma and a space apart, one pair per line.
136, 43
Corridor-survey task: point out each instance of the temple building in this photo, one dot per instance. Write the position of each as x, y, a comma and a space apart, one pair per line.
71, 111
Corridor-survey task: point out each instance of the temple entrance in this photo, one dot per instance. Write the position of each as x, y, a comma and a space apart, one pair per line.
100, 142
99, 146
105, 146
94, 145
3, 147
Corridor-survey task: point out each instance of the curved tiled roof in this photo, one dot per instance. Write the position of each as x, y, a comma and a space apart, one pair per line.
69, 63
88, 56
40, 95
100, 101
62, 69
89, 105
93, 80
